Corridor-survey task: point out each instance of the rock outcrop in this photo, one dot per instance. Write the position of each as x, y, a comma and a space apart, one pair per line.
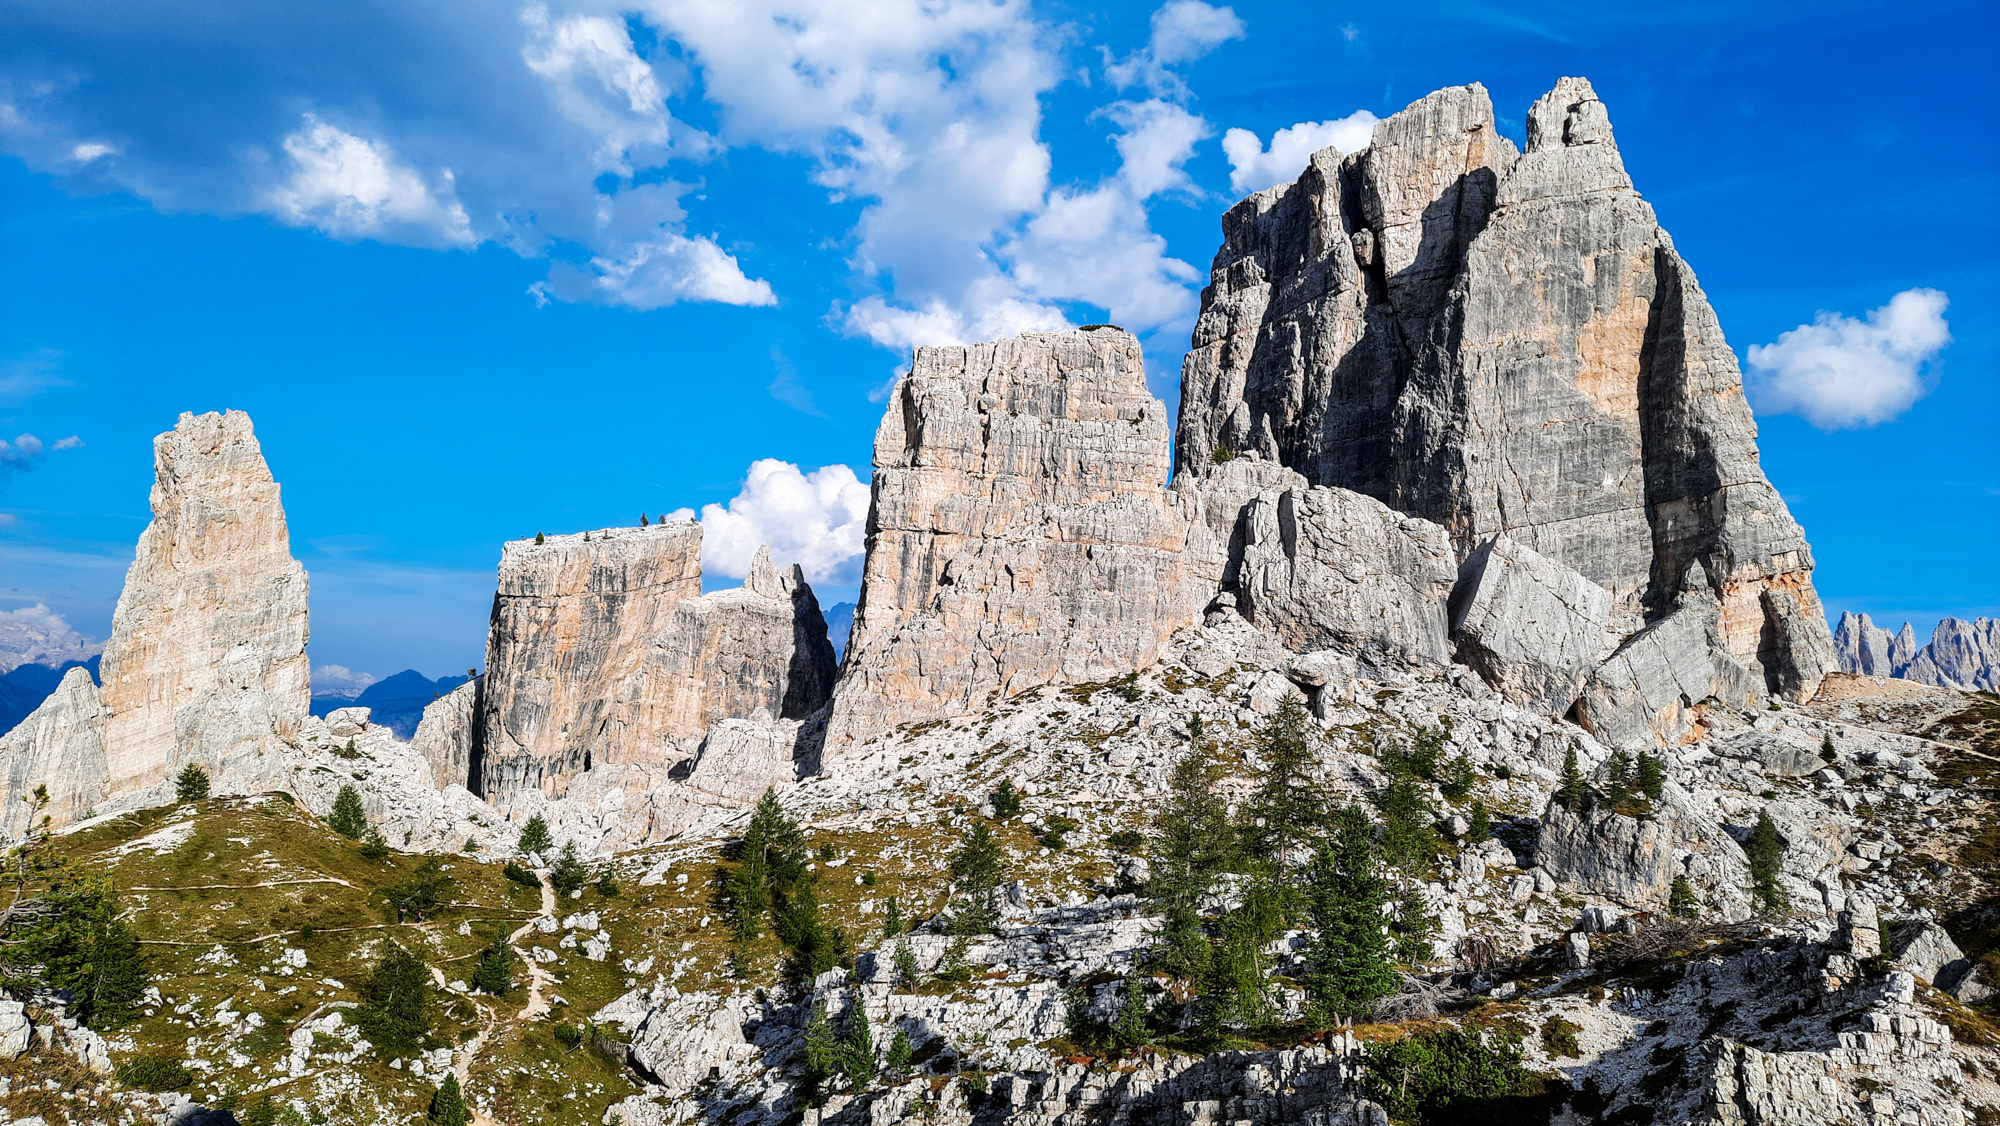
206, 663
1961, 654
605, 651
59, 746
1646, 693
1020, 530
445, 734
1505, 342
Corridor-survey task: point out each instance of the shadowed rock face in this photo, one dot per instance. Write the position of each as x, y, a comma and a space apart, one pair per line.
605, 651
1505, 342
206, 661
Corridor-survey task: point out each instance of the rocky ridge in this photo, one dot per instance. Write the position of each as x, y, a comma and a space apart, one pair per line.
1961, 654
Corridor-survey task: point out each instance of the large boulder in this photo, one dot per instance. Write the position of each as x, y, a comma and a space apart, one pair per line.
1533, 628
1332, 569
1634, 860
1646, 693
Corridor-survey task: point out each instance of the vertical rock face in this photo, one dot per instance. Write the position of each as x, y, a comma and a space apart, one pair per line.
1020, 530
60, 746
1505, 342
573, 623
606, 651
206, 662
444, 735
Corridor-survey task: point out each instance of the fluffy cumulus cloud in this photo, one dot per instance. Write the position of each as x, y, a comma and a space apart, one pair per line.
818, 520
1254, 166
1182, 31
339, 680
1844, 372
565, 130
26, 449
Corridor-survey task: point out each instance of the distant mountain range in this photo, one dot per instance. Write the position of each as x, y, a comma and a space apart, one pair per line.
1961, 654
839, 622
396, 702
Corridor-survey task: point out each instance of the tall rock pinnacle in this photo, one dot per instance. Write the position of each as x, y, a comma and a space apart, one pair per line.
206, 662
1505, 342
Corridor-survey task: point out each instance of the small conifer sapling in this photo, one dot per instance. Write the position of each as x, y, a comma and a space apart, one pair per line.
191, 784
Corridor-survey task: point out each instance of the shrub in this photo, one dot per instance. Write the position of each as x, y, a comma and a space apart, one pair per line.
1480, 825
535, 836
1573, 791
1766, 852
1127, 841
1221, 453
191, 784
1652, 776
1826, 751
1681, 901
374, 847
1559, 1037
568, 1035
538, 539
1431, 1077
606, 882
1006, 801
518, 873
154, 1073
1056, 831
347, 818
422, 894
905, 963
892, 920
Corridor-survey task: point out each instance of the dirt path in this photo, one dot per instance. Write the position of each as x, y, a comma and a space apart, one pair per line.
537, 1004
240, 887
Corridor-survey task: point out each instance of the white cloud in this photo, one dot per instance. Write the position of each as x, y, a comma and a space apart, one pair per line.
37, 635
664, 270
339, 680
354, 188
1839, 372
1254, 167
26, 449
70, 443
89, 151
1183, 31
818, 520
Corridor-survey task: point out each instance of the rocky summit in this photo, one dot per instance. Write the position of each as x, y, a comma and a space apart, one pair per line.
1435, 723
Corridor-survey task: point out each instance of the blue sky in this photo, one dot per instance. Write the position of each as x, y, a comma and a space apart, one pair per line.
483, 269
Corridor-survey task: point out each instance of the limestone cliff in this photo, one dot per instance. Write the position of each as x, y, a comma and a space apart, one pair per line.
1505, 342
206, 661
1020, 529
604, 650
59, 746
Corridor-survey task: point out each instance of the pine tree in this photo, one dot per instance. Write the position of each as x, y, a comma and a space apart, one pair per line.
1413, 927
348, 818
191, 784
857, 1049
1458, 778
1128, 1028
1681, 901
1191, 839
535, 836
538, 539
905, 962
495, 971
397, 1012
1766, 852
1652, 776
892, 920
1480, 826
568, 873
900, 1051
448, 1105
1618, 773
1347, 946
1006, 801
1289, 805
1826, 751
975, 873
1409, 839
772, 859
373, 847
1573, 791
821, 1055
